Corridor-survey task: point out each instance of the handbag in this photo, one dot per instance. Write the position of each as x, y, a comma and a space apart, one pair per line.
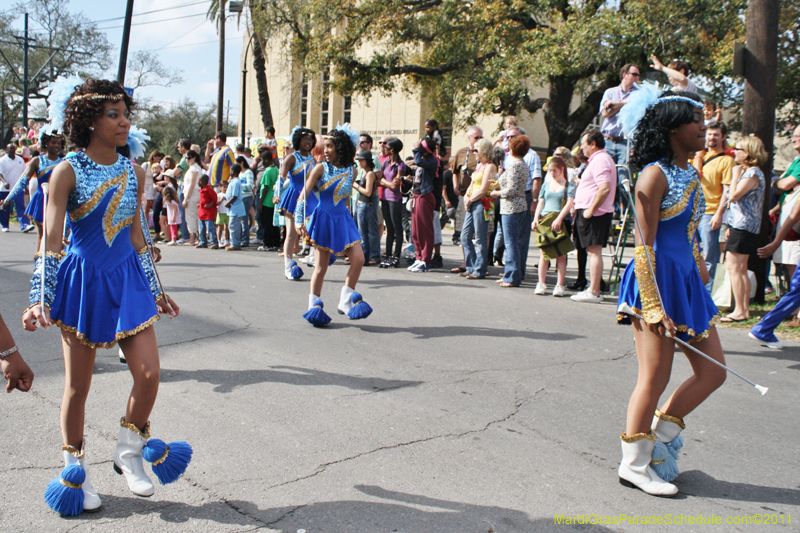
553, 244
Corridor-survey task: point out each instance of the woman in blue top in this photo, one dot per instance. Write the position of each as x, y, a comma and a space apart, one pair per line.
746, 195
103, 290
665, 127
558, 195
331, 227
40, 169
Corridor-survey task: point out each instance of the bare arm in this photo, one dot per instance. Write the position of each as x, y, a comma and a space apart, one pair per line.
791, 220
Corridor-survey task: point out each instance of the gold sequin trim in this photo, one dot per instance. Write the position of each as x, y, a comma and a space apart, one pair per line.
303, 168
694, 221
658, 462
119, 336
645, 278
669, 418
144, 434
74, 451
110, 228
57, 255
315, 245
95, 96
70, 485
340, 180
680, 205
162, 458
142, 250
695, 337
639, 436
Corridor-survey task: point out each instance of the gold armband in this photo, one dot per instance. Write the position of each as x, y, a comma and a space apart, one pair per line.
645, 278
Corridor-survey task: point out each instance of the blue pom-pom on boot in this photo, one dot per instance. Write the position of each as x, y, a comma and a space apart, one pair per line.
352, 305
664, 463
294, 271
668, 431
169, 461
64, 495
316, 316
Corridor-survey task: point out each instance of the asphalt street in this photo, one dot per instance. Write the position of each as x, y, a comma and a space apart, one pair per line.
457, 407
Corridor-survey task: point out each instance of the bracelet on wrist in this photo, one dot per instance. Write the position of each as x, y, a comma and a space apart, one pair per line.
8, 352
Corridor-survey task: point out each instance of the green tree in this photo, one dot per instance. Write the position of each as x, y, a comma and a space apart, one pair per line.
789, 65
489, 56
52, 25
166, 126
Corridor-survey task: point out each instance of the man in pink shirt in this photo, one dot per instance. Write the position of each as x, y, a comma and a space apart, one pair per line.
594, 207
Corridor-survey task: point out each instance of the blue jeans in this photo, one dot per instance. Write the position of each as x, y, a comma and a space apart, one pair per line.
618, 150
237, 228
368, 228
475, 254
248, 203
512, 237
525, 234
184, 227
211, 228
19, 205
709, 240
785, 306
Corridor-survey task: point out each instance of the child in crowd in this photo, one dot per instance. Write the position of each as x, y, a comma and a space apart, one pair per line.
207, 213
711, 113
223, 229
432, 131
502, 139
173, 214
237, 213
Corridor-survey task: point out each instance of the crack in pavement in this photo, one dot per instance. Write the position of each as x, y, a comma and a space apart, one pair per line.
206, 337
518, 403
282, 517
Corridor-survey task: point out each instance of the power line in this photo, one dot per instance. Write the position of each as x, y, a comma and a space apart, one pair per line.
153, 21
153, 11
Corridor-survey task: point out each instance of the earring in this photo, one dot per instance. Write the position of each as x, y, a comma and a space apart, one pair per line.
91, 128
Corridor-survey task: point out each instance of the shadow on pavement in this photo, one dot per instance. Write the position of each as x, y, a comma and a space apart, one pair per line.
228, 380
468, 331
702, 485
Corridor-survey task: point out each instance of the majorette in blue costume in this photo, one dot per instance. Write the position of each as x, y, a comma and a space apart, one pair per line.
330, 226
296, 167
40, 168
103, 289
665, 127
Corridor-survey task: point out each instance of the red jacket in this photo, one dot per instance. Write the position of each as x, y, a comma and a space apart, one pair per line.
207, 196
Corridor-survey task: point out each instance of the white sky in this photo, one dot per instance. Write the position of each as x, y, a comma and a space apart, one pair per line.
190, 44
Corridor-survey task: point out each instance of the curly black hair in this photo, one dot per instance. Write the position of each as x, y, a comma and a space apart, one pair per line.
651, 140
299, 134
44, 140
345, 151
81, 113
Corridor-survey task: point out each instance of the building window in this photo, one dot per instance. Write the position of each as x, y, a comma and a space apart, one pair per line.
304, 105
325, 106
347, 105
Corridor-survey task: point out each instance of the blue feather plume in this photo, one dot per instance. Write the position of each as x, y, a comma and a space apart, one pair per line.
316, 316
137, 139
59, 94
638, 103
353, 134
360, 309
66, 500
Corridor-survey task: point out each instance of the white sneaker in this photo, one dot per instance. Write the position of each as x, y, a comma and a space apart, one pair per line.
412, 267
558, 291
419, 266
5, 230
587, 297
541, 288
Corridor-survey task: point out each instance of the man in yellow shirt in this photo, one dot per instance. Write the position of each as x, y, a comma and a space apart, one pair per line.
715, 168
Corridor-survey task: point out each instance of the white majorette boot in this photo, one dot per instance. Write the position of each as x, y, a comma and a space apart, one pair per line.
668, 431
635, 469
72, 456
128, 458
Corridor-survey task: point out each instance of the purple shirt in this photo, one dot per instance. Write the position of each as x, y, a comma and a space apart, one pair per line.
601, 169
390, 171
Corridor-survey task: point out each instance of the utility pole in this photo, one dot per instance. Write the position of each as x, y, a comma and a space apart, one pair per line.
760, 95
126, 34
221, 75
25, 75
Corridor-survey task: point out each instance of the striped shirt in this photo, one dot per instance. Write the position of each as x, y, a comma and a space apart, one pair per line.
220, 167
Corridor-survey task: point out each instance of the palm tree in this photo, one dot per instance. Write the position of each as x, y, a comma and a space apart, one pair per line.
259, 64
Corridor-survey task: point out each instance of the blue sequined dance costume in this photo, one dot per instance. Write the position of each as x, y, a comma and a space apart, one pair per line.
686, 300
331, 226
297, 181
35, 207
102, 294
